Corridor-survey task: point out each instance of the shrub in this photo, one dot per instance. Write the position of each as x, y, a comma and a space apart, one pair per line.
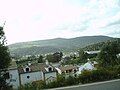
100, 74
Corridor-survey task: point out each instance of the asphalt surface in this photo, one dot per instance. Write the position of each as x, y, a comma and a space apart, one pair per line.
107, 85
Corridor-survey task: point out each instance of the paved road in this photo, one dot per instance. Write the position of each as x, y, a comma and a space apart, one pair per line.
107, 85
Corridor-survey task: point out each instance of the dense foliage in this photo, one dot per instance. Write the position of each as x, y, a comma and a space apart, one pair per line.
101, 74
98, 46
55, 57
108, 55
4, 60
32, 59
40, 59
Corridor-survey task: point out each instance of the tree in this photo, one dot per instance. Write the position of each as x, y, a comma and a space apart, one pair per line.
82, 57
4, 60
49, 57
31, 58
40, 59
108, 55
55, 57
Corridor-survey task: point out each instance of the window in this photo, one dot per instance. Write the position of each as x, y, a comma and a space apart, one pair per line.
70, 70
28, 77
67, 71
50, 69
27, 70
75, 70
12, 80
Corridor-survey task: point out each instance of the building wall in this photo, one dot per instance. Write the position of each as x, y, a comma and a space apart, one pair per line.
50, 76
33, 76
59, 71
14, 78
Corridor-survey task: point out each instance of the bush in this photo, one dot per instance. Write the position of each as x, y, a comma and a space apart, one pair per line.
70, 81
39, 84
100, 74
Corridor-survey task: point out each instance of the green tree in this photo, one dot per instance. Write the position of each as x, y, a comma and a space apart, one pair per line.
49, 57
71, 80
108, 55
4, 60
31, 58
82, 57
40, 59
55, 57
61, 80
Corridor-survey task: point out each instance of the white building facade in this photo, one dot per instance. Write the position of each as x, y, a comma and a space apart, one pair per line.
13, 79
30, 77
30, 73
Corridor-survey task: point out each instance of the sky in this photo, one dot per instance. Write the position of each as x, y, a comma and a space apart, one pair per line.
29, 20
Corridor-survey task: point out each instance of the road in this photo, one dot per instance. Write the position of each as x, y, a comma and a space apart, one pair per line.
106, 85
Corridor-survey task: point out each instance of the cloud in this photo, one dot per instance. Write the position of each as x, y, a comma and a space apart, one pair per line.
113, 23
42, 19
76, 27
113, 30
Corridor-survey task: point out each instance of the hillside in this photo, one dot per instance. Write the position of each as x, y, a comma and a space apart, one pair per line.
98, 46
53, 45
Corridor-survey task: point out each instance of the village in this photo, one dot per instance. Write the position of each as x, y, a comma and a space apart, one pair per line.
47, 71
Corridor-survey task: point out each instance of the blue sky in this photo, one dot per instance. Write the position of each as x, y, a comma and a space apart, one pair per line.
28, 20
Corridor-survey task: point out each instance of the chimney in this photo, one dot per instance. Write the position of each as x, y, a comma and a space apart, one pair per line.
29, 63
46, 62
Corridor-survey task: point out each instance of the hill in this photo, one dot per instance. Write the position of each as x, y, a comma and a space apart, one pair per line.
53, 45
98, 46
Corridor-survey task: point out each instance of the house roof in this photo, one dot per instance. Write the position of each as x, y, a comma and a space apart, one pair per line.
35, 67
67, 67
92, 52
86, 66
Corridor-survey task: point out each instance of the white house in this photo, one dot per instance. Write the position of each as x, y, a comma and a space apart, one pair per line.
13, 75
87, 66
92, 52
35, 72
31, 72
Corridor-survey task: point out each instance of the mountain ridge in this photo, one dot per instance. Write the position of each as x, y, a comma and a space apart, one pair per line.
57, 44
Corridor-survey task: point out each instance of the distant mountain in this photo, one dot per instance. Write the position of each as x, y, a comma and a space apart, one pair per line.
53, 45
100, 45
